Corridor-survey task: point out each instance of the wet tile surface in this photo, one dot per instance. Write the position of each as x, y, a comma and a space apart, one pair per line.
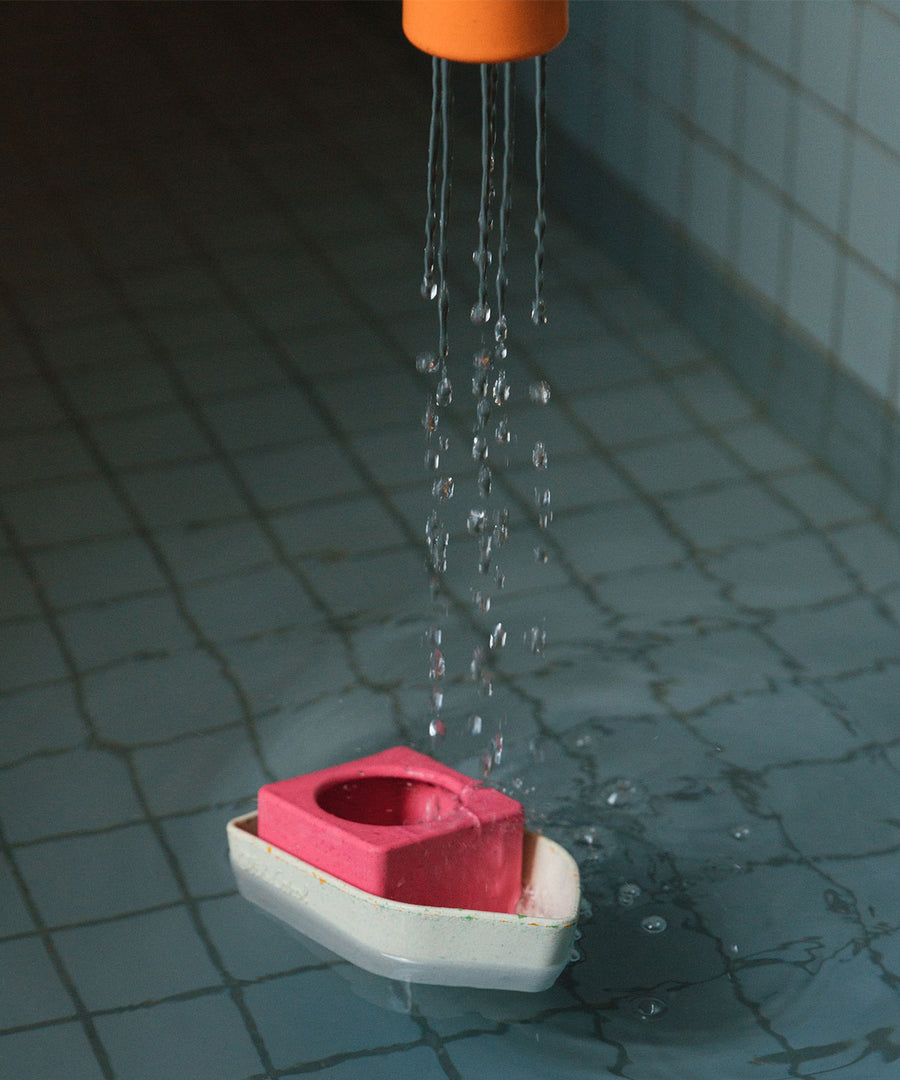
212, 560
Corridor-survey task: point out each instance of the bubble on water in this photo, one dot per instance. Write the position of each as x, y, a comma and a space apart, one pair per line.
649, 1008
443, 487
437, 729
479, 448
539, 392
542, 556
539, 456
427, 362
619, 792
476, 521
497, 637
536, 639
444, 393
485, 480
501, 432
482, 601
653, 924
501, 389
627, 894
480, 314
740, 832
475, 723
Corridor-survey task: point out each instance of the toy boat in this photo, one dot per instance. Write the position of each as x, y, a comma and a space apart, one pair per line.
523, 950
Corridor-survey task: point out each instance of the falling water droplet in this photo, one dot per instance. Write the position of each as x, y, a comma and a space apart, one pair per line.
427, 362
476, 521
619, 792
431, 419
539, 392
740, 832
539, 313
653, 924
501, 390
482, 601
542, 556
479, 448
432, 458
497, 637
539, 456
480, 313
444, 393
443, 487
485, 480
536, 639
501, 432
437, 729
437, 665
499, 577
475, 722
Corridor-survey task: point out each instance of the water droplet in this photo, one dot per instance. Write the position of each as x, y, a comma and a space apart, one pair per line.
539, 313
740, 832
443, 488
618, 792
427, 362
542, 556
483, 259
431, 419
482, 601
536, 639
499, 577
627, 894
589, 837
437, 665
500, 330
444, 393
653, 924
480, 313
484, 556
539, 392
479, 448
575, 956
481, 384
485, 480
475, 722
501, 432
476, 521
437, 698
428, 288
501, 526
432, 458
497, 748
649, 1008
437, 729
544, 519
501, 389
481, 361
497, 637
539, 456
585, 911
482, 411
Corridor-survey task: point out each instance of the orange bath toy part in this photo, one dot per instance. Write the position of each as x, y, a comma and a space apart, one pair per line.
485, 31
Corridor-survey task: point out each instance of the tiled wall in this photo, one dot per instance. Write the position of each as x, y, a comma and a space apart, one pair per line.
762, 140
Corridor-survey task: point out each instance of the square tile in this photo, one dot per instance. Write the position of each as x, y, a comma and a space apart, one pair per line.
29, 653
209, 550
70, 792
760, 245
625, 415
867, 327
287, 476
97, 570
715, 86
421, 1063
712, 187
874, 225
31, 990
617, 538
56, 1050
197, 840
879, 81
203, 1037
53, 454
342, 1023
337, 530
267, 417
820, 645
16, 589
820, 498
122, 382
136, 960
97, 876
164, 435
196, 773
871, 551
252, 945
14, 917
813, 273
65, 511
714, 396
246, 605
229, 366
188, 496
730, 515
824, 57
157, 697
765, 121
820, 147
679, 465
38, 719
763, 449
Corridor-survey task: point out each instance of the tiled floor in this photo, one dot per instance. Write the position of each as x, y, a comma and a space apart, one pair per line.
211, 562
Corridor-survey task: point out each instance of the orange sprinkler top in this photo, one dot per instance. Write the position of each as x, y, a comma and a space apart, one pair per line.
485, 31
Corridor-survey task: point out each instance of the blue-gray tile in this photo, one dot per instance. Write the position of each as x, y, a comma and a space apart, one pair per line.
730, 515
56, 1050
32, 990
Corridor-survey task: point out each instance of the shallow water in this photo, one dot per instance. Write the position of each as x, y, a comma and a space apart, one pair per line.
212, 496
